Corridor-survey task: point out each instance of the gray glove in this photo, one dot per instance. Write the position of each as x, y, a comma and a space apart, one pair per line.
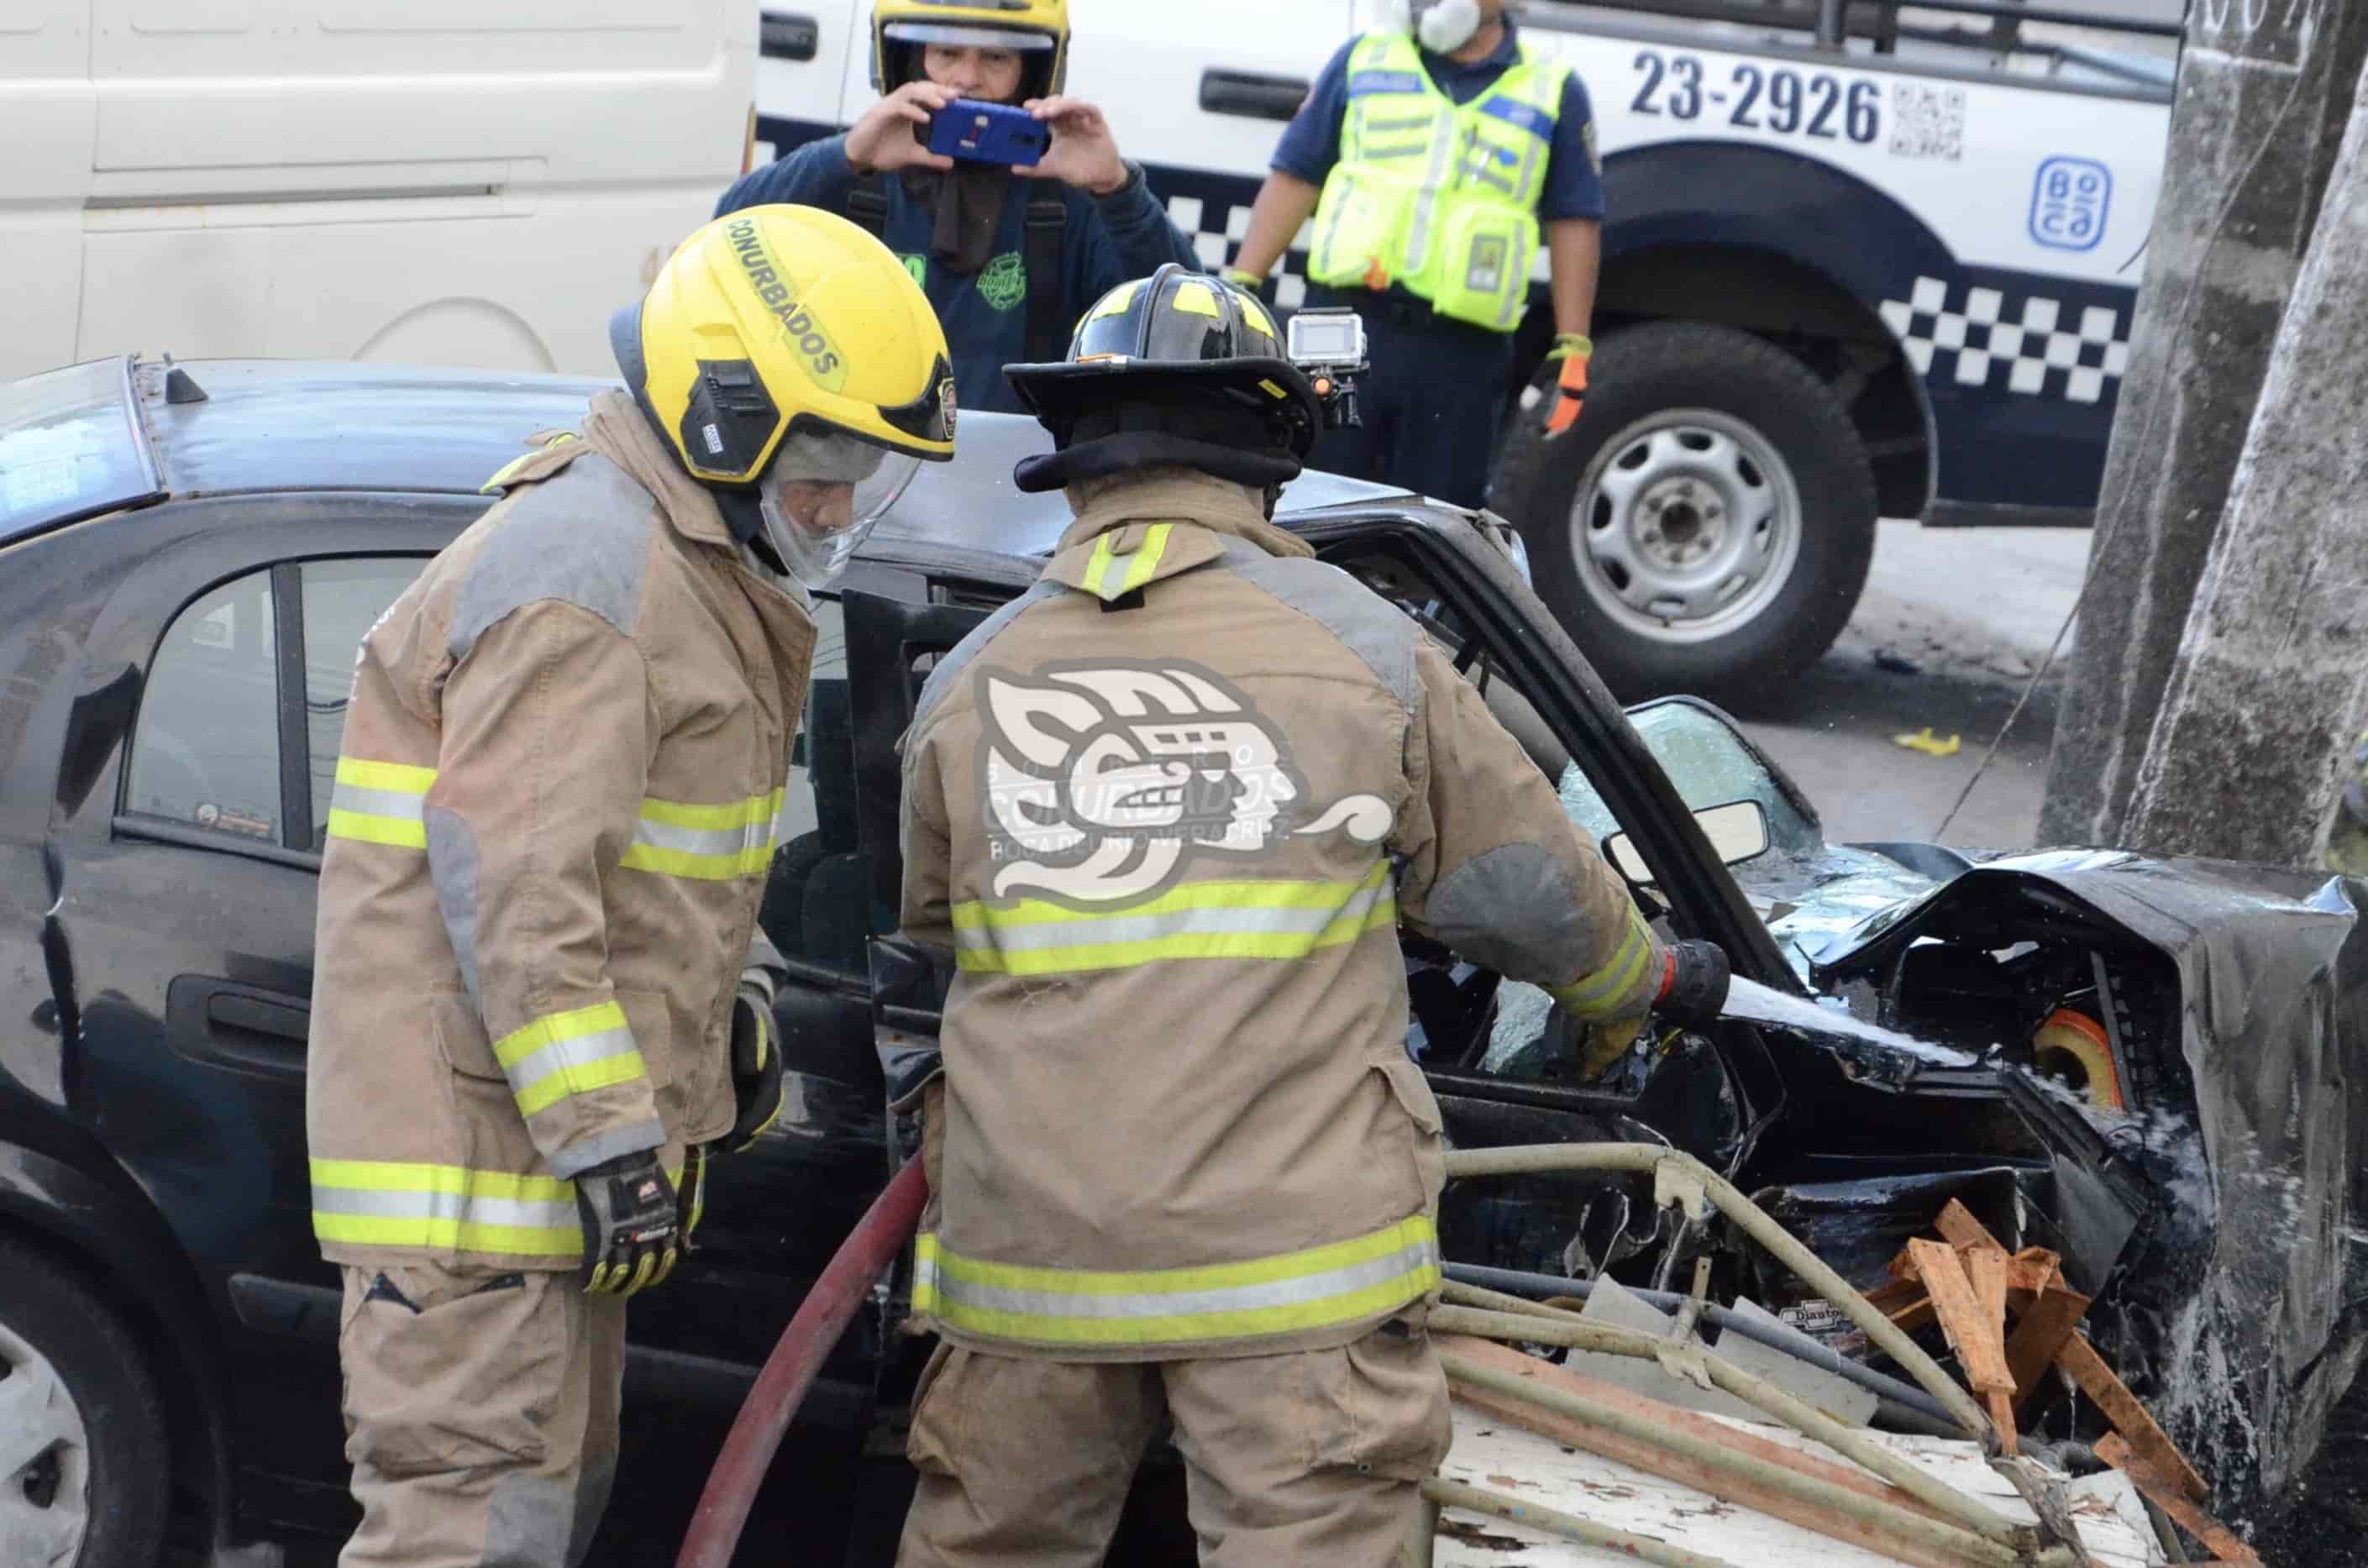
631, 1224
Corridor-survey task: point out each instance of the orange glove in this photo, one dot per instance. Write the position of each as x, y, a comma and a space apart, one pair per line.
1573, 350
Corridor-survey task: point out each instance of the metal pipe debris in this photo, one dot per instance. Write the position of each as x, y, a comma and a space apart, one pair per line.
1760, 1395
1679, 1176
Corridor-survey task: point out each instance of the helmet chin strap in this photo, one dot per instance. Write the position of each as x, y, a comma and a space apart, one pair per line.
1441, 25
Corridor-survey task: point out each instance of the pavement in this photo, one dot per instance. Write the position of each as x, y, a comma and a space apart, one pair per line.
1954, 625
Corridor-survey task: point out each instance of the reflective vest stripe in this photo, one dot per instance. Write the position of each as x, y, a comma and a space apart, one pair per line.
705, 843
1139, 568
568, 1053
1599, 994
381, 803
1319, 1287
1281, 920
385, 1203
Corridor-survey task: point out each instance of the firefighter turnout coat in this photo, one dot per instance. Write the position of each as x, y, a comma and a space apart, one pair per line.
1168, 809
552, 822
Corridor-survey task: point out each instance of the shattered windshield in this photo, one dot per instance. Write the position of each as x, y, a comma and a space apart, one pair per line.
70, 447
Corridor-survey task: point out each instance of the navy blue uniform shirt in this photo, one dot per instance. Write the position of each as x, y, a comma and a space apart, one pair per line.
1574, 188
1106, 241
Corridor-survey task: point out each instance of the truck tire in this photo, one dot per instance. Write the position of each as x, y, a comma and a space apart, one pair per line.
84, 1461
1707, 524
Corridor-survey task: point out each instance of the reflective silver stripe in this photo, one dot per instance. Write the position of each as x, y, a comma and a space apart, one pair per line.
718, 842
1443, 140
1308, 1288
1170, 923
377, 802
457, 1207
564, 1055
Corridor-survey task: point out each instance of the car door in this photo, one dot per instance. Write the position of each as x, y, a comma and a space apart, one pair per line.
215, 687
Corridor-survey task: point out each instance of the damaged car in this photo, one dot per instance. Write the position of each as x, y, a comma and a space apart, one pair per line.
2157, 1070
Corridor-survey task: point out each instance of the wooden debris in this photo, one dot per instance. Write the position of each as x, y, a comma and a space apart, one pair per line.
2163, 1487
1967, 1317
2130, 1418
2039, 1335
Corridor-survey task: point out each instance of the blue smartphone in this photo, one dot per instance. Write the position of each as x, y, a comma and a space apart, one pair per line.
988, 133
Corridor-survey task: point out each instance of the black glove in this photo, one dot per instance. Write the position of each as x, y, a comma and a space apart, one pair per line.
1693, 989
755, 1071
631, 1224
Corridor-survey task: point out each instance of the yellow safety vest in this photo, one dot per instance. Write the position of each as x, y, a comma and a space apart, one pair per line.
1441, 198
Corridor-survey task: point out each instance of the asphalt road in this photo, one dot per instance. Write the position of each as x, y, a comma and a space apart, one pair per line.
1955, 623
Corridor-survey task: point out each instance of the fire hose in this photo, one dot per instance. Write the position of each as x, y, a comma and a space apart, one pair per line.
796, 1360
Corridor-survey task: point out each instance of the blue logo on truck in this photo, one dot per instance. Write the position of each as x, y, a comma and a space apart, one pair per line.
2069, 201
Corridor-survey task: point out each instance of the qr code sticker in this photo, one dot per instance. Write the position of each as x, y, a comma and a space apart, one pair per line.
1928, 122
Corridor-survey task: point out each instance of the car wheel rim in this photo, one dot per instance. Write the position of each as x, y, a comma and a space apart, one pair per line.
44, 1460
1686, 526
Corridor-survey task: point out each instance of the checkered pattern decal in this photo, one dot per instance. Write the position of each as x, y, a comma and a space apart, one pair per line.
1218, 230
2038, 346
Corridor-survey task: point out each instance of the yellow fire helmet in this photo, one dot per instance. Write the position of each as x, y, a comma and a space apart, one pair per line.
1038, 29
783, 354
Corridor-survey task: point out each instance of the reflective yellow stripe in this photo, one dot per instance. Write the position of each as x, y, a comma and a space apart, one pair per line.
1140, 565
364, 828
380, 802
1603, 992
1319, 1288
568, 1053
387, 1203
705, 843
1268, 920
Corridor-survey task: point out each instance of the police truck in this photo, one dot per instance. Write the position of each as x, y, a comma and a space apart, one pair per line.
1861, 260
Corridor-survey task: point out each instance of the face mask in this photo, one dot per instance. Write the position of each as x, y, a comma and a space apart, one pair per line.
822, 497
1441, 25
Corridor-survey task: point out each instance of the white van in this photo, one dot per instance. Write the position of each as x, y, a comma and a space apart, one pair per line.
457, 182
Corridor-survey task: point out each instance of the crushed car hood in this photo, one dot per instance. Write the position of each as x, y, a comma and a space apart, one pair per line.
2259, 1312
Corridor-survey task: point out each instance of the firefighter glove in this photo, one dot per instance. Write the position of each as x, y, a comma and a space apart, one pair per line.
1570, 355
1693, 986
631, 1224
756, 1070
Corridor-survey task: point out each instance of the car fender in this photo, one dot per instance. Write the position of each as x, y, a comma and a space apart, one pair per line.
87, 1221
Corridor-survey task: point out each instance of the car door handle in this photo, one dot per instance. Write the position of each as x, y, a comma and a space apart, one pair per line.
1250, 95
789, 35
244, 1028
257, 1015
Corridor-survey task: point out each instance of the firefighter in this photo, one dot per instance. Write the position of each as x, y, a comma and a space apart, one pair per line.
1436, 156
553, 812
1010, 257
1168, 813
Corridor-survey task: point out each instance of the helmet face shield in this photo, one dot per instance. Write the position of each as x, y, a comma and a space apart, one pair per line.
822, 497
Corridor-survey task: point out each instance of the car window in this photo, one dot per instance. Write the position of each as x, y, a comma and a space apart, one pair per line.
343, 599
206, 751
818, 903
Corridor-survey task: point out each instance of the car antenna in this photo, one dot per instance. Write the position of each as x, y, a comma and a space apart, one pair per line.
180, 386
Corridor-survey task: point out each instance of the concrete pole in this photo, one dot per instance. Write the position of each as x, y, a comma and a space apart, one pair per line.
2270, 683
2265, 89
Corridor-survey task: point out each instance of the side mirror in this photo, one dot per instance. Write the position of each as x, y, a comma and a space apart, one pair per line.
1737, 832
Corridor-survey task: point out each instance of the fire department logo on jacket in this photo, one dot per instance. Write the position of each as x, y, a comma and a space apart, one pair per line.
1104, 781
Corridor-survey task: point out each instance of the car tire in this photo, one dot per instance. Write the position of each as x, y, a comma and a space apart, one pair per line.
84, 1387
1707, 524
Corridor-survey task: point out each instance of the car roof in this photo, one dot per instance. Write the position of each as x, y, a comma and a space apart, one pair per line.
269, 424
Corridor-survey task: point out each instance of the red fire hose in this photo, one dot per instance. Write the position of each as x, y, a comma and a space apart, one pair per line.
790, 1372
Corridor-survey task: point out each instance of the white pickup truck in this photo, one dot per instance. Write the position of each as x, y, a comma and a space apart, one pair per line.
1861, 260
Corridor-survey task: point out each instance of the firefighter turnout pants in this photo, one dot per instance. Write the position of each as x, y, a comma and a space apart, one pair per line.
480, 1415
1306, 1457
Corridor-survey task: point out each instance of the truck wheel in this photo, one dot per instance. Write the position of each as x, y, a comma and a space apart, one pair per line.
84, 1464
1707, 524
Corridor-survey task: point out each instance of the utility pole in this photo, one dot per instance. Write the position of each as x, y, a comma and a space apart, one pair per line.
2266, 88
2270, 687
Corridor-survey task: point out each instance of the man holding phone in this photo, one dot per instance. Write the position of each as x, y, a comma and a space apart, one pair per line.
1017, 224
